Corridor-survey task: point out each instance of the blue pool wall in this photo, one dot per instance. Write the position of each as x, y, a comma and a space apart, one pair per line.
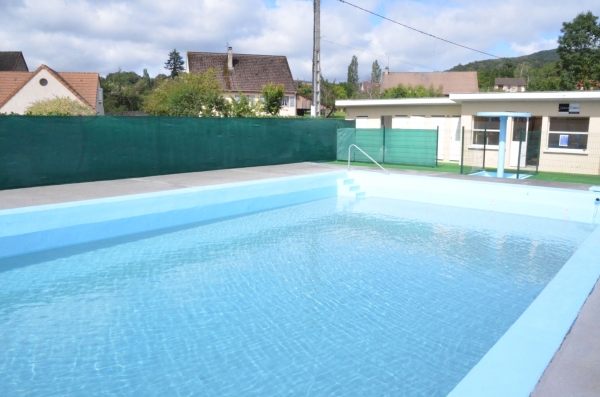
552, 203
31, 229
514, 365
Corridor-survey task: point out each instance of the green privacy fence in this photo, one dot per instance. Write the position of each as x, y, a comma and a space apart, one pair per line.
391, 146
37, 151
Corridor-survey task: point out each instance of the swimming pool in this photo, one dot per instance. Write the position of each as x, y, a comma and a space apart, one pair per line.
330, 295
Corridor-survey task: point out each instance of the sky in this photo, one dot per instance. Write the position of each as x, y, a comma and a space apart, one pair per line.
107, 35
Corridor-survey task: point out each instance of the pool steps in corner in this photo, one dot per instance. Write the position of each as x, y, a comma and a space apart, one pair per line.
347, 187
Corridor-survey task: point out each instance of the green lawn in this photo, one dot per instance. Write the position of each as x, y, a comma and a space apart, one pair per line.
442, 167
455, 168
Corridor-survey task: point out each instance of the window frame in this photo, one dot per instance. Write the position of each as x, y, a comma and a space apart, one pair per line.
566, 148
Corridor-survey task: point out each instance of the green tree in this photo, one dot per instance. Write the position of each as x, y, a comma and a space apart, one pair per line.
59, 106
273, 95
579, 52
353, 71
330, 92
125, 91
305, 90
243, 107
418, 91
189, 94
375, 73
174, 63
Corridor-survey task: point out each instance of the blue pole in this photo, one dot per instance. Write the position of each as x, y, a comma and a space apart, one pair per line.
502, 146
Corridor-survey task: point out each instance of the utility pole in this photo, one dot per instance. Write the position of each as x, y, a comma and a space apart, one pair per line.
316, 81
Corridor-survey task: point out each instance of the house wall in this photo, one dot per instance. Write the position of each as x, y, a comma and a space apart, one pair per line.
285, 110
34, 91
375, 113
550, 160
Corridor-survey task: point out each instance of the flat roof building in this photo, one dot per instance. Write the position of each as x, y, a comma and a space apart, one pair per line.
563, 134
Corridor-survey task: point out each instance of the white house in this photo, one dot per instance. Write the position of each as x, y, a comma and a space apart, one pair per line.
18, 90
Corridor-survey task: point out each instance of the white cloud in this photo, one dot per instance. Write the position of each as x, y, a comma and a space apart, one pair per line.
89, 35
539, 45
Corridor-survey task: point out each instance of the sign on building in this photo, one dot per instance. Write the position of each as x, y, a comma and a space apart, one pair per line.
568, 108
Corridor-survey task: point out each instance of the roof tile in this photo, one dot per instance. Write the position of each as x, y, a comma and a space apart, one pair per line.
452, 82
250, 72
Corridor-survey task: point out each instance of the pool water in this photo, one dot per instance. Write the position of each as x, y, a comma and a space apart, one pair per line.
375, 297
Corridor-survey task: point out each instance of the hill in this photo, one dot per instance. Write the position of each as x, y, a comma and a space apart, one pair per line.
537, 60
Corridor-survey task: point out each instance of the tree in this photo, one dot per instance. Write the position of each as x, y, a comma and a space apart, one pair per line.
273, 95
243, 107
353, 71
189, 94
579, 52
125, 91
305, 90
174, 63
330, 92
59, 106
418, 91
375, 73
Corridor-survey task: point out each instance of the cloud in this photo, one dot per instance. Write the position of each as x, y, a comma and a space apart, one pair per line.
535, 46
103, 36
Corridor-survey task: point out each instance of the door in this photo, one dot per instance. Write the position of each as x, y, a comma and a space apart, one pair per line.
417, 122
520, 125
439, 122
400, 122
455, 136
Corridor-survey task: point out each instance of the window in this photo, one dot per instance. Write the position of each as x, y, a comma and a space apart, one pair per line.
288, 101
568, 133
486, 128
43, 82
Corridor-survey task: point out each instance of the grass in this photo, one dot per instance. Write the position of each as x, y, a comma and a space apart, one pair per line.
455, 168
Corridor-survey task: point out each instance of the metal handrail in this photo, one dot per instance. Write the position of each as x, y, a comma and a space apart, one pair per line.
370, 158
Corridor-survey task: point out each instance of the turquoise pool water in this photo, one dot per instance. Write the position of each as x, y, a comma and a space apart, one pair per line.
335, 297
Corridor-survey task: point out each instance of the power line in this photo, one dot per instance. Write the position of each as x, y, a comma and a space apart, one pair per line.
417, 30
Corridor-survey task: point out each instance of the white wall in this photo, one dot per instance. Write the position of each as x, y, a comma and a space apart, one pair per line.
34, 91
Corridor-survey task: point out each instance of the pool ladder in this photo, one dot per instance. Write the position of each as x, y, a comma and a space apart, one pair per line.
363, 152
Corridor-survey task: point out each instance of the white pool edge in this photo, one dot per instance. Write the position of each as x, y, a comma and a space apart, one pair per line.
512, 367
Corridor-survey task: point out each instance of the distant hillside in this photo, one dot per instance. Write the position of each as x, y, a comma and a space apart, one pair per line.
537, 60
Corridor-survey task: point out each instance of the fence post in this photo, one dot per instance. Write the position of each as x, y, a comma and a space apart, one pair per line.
484, 146
383, 156
437, 143
462, 150
519, 156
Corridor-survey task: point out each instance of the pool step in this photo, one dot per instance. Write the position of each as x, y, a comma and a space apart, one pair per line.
349, 188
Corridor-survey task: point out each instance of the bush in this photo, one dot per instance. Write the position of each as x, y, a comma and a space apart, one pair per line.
59, 106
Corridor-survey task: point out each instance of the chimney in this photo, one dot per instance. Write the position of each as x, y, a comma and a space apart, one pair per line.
387, 70
230, 59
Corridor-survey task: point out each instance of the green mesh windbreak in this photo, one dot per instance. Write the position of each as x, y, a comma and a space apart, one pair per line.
413, 147
37, 151
371, 141
391, 146
345, 138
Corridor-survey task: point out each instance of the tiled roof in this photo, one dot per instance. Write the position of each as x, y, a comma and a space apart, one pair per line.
83, 85
509, 81
452, 82
250, 72
10, 83
9, 61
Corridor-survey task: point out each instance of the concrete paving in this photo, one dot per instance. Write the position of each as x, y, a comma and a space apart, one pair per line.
575, 368
41, 195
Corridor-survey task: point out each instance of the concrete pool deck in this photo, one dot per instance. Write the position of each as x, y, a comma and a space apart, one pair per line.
575, 368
